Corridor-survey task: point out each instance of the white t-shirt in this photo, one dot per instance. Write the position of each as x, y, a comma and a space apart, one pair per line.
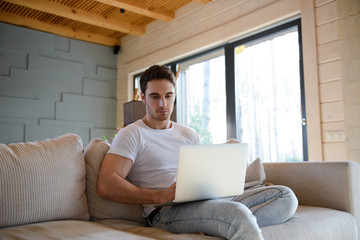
154, 153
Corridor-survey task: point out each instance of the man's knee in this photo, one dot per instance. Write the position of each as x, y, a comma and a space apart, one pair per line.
237, 220
291, 201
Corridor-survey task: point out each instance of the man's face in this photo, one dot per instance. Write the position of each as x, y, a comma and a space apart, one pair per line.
159, 99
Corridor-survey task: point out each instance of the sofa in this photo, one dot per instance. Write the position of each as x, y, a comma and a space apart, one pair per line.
48, 191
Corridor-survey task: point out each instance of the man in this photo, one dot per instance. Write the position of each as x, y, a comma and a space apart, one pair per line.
141, 167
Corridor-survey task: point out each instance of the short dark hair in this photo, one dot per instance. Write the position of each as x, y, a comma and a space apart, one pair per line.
156, 72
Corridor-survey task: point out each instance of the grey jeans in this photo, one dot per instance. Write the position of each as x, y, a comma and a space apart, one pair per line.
236, 218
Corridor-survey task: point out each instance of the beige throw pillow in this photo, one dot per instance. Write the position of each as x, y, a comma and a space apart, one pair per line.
255, 173
100, 208
42, 181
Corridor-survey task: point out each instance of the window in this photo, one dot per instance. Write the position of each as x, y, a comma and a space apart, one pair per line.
137, 81
201, 96
268, 95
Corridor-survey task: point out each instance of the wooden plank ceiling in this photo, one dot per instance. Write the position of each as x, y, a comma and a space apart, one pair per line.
98, 21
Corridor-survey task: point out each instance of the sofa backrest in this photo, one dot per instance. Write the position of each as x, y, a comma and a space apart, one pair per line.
100, 208
42, 181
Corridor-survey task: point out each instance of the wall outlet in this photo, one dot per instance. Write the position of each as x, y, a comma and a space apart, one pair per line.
335, 136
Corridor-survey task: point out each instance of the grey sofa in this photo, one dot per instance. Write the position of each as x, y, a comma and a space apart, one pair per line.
48, 192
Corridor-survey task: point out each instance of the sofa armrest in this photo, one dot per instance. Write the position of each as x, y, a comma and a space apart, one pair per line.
323, 184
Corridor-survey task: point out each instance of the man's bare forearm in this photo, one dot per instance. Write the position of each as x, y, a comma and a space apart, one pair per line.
117, 189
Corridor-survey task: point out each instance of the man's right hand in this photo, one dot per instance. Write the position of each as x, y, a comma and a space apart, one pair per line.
168, 194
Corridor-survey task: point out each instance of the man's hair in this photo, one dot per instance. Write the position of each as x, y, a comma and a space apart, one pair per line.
156, 72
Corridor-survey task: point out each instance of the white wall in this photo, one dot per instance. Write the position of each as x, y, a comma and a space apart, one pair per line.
51, 85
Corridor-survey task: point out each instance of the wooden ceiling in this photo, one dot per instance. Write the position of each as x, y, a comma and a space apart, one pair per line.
98, 21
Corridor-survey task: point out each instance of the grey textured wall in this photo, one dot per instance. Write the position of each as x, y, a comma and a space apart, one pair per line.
50, 85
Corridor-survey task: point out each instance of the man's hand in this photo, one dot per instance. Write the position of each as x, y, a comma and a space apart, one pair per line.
168, 194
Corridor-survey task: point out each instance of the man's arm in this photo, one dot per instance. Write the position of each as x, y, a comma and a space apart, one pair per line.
112, 184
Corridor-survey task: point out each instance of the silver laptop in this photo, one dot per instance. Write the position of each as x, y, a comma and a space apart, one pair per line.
210, 171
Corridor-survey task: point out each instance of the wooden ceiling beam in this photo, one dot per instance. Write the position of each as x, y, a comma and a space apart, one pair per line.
79, 15
202, 1
141, 8
61, 31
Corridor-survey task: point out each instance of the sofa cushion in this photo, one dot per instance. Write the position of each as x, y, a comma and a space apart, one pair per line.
42, 181
100, 208
308, 223
153, 232
67, 229
312, 223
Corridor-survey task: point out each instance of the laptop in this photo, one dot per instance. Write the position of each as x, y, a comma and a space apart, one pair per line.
210, 171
